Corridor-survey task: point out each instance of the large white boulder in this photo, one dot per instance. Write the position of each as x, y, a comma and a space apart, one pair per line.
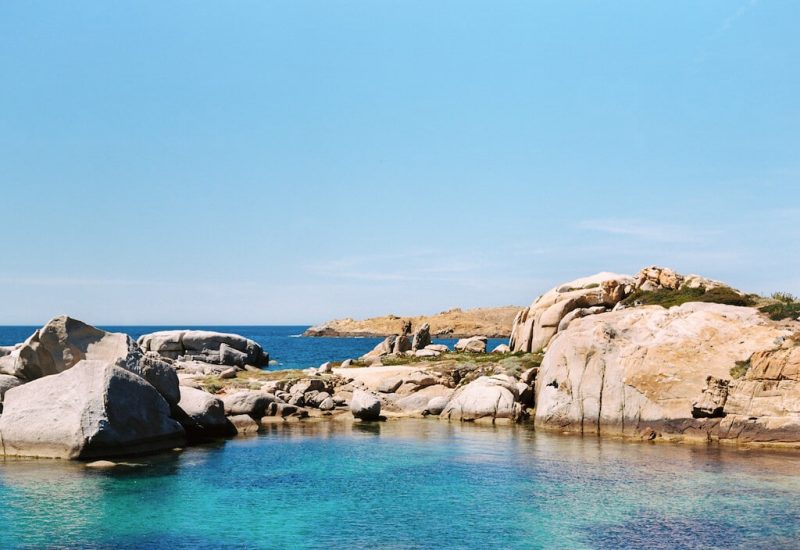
488, 397
475, 344
94, 409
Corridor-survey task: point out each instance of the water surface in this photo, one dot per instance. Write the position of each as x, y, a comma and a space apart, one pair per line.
410, 484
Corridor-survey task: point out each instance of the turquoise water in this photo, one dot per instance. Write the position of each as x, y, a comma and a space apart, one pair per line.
282, 342
410, 484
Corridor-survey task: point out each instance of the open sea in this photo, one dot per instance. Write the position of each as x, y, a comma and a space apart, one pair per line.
403, 484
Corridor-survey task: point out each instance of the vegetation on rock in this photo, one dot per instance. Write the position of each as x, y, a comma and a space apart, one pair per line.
668, 297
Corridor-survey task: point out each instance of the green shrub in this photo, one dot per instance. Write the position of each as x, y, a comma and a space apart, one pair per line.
782, 310
785, 297
740, 369
667, 297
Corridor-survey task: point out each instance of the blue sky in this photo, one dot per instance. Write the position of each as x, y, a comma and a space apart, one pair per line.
288, 162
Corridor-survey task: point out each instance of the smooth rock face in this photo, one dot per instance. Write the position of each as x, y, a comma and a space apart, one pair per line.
6, 383
244, 424
62, 343
94, 409
205, 414
251, 403
205, 346
486, 397
502, 348
476, 344
649, 368
365, 406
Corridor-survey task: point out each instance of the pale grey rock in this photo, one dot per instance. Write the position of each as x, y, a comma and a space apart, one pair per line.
427, 353
502, 348
325, 368
441, 348
390, 385
94, 409
6, 383
365, 406
486, 397
160, 374
475, 344
204, 414
62, 343
436, 405
206, 346
252, 403
347, 363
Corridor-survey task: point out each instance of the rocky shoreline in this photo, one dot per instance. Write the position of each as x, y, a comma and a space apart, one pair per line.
594, 356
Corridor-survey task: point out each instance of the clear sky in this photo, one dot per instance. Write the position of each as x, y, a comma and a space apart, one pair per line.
288, 162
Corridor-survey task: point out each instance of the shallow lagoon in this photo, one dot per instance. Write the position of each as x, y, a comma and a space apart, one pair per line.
410, 484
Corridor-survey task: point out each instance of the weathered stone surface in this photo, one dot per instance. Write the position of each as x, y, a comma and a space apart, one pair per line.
402, 344
422, 337
427, 353
486, 397
536, 325
325, 368
252, 403
436, 405
384, 348
624, 371
160, 374
94, 409
206, 346
419, 401
476, 344
712, 401
204, 414
502, 348
62, 343
346, 363
365, 406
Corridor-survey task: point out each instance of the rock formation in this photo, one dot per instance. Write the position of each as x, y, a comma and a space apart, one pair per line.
214, 348
94, 409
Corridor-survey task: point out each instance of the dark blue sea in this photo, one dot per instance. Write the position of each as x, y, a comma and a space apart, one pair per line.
284, 343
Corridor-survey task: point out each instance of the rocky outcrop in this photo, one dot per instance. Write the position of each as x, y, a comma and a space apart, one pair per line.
667, 370
94, 409
475, 344
454, 323
216, 348
535, 326
62, 343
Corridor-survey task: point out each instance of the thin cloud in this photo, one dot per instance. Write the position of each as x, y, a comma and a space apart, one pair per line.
648, 231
